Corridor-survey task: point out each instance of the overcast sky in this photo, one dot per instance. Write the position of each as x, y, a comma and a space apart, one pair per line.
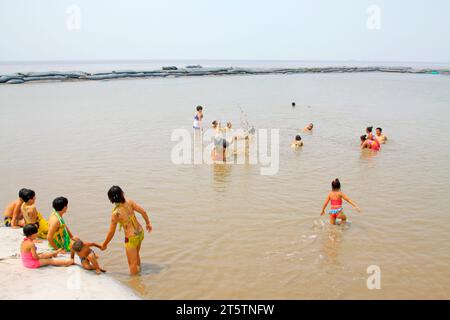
378, 30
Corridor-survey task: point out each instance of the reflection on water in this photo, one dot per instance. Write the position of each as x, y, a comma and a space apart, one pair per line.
226, 231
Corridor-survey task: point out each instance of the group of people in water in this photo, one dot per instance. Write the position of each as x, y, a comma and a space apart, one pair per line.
336, 213
224, 136
22, 212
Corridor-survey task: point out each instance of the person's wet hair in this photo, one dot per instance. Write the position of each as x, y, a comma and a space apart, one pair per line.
60, 203
199, 108
26, 194
293, 104
298, 137
369, 129
381, 130
30, 229
336, 184
77, 246
363, 138
214, 123
116, 195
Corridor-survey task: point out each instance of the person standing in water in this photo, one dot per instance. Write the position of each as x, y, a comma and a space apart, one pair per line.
379, 136
336, 196
369, 143
123, 214
198, 119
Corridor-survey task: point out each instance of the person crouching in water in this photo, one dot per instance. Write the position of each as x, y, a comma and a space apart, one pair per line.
30, 258
123, 214
336, 196
369, 142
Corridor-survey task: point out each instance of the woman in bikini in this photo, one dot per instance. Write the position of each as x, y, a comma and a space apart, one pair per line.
123, 214
336, 196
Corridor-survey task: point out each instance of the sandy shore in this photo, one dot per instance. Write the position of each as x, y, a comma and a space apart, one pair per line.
56, 283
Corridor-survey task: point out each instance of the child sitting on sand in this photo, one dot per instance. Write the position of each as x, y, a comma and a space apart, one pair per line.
13, 215
336, 196
87, 256
31, 215
32, 259
297, 142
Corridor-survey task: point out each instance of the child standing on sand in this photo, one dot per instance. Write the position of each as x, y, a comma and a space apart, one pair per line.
30, 258
87, 256
13, 215
336, 196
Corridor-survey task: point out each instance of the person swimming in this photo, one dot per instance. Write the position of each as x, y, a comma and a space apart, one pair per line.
335, 197
297, 143
369, 143
308, 128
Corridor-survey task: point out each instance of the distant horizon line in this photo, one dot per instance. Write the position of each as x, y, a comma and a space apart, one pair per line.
105, 61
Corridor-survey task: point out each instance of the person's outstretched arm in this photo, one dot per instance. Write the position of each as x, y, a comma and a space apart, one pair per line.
354, 205
325, 205
142, 211
111, 232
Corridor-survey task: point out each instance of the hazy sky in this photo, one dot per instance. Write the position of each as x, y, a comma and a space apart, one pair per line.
403, 30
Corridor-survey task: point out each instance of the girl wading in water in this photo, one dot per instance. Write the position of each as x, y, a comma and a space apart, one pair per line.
123, 214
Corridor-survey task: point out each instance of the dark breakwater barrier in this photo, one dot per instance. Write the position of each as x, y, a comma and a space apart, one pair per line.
18, 78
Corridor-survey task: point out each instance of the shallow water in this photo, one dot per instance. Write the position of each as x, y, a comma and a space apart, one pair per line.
226, 231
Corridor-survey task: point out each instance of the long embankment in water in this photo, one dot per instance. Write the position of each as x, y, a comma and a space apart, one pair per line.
18, 78
51, 283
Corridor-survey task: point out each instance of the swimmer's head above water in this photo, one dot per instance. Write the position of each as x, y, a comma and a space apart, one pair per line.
310, 126
229, 125
378, 131
199, 108
298, 138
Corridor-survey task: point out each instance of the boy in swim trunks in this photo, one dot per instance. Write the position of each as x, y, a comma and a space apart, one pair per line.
30, 258
87, 256
336, 196
13, 215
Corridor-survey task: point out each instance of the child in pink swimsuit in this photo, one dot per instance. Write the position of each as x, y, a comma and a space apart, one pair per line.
336, 196
30, 258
